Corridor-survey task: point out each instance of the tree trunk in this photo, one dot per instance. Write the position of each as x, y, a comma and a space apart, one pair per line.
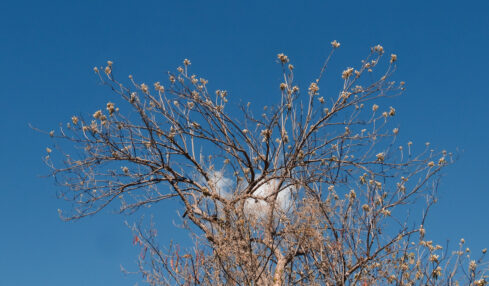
279, 272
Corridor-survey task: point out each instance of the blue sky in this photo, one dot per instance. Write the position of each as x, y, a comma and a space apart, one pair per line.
48, 50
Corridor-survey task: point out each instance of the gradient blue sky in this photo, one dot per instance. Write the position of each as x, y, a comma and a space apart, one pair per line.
48, 50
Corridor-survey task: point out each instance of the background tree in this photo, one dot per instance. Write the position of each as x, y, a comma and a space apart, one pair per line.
314, 191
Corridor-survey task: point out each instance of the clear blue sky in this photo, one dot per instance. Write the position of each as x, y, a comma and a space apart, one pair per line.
48, 50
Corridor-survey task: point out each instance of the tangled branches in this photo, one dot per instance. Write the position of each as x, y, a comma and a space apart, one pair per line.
315, 191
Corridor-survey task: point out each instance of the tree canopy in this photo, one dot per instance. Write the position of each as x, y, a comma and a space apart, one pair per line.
314, 190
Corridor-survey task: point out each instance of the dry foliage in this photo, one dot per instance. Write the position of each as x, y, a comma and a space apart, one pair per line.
314, 191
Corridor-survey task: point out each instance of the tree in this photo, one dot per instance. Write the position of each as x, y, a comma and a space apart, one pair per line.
314, 191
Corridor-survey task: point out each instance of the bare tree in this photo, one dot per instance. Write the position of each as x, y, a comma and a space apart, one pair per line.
314, 191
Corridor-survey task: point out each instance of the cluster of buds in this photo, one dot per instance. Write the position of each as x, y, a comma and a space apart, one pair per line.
345, 94
379, 49
434, 257
144, 88
480, 282
159, 87
365, 208
93, 126
386, 212
194, 79
352, 194
283, 58
266, 133
108, 68
335, 44
133, 97
313, 88
392, 111
97, 115
393, 58
380, 157
110, 108
347, 73
442, 161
